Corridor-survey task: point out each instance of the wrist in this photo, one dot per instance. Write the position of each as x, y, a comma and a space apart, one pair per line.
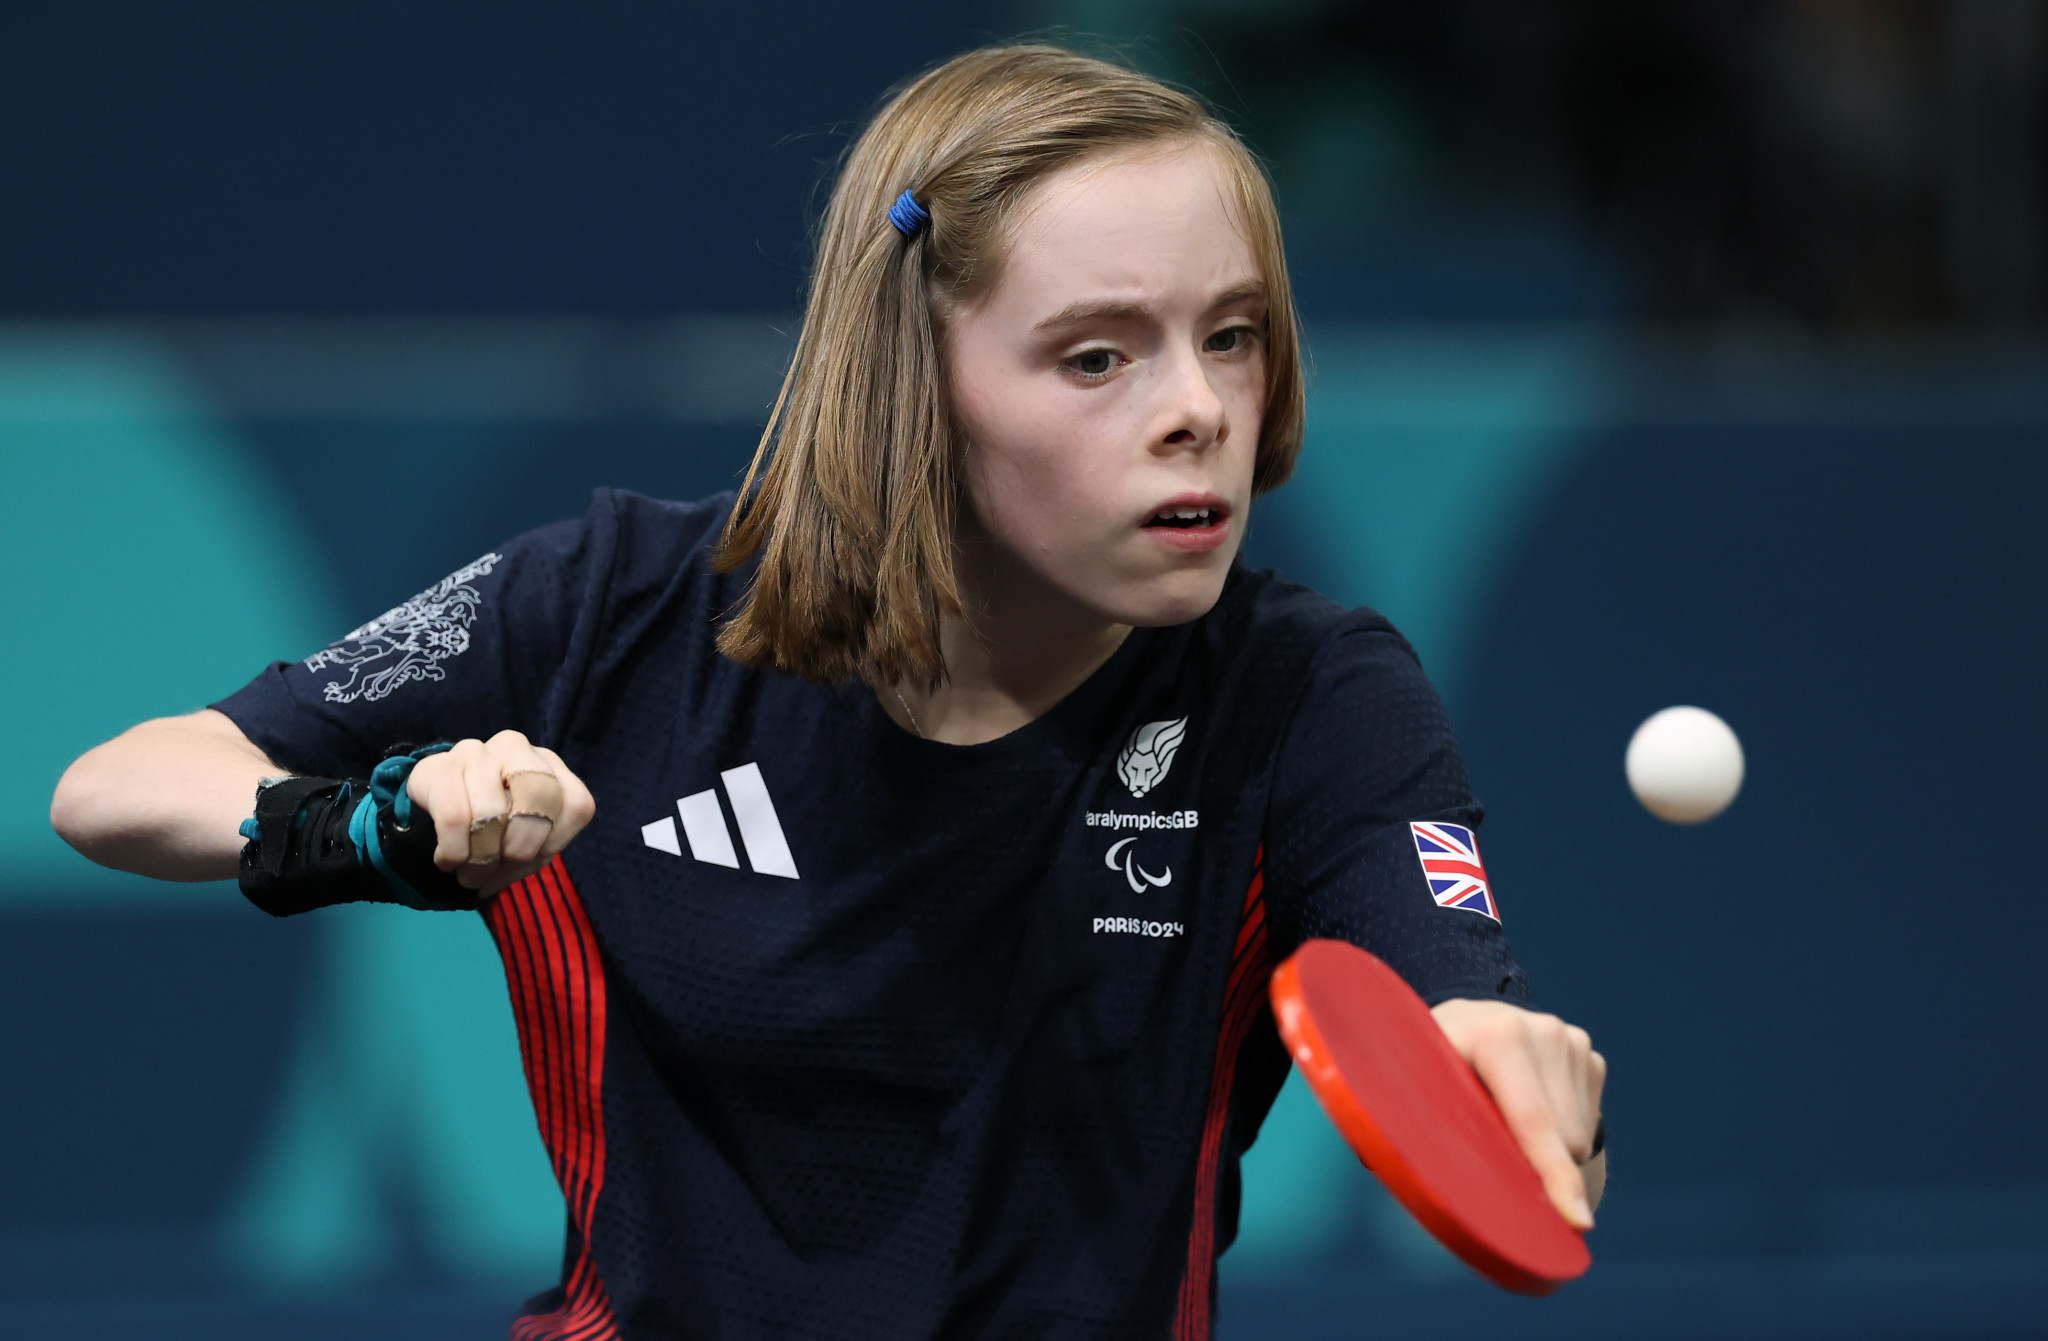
315, 842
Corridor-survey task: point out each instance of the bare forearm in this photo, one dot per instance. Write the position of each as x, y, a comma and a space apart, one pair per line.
163, 799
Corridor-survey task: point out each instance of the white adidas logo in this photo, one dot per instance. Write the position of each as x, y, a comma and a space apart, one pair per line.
710, 841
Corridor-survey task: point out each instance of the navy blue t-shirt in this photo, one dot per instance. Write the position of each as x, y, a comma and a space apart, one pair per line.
836, 1032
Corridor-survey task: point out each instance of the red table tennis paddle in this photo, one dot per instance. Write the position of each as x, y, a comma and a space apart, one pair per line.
1418, 1117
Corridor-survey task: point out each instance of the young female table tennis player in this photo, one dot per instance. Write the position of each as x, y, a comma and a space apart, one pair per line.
1031, 782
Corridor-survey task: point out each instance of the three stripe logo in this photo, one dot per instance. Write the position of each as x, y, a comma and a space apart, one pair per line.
710, 841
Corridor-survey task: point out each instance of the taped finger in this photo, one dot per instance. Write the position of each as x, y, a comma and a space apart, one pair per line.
486, 790
486, 837
535, 793
577, 805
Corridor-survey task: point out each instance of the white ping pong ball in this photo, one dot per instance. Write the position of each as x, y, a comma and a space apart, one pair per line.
1684, 765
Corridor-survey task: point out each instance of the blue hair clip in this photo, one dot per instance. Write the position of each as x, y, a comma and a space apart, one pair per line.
908, 215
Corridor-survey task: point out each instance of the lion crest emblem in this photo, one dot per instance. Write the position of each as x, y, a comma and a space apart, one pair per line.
1149, 753
407, 642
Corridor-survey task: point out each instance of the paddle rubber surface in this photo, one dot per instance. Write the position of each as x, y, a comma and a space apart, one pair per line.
1412, 1109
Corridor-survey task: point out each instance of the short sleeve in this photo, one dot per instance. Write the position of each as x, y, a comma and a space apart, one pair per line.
1368, 755
480, 651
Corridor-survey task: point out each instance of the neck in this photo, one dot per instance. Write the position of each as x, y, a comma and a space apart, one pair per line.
1023, 648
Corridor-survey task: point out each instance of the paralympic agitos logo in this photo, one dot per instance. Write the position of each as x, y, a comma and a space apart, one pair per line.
1122, 857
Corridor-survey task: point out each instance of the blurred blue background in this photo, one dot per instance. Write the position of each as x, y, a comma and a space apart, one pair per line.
1663, 353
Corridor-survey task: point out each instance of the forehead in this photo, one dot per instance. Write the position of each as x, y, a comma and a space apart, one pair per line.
1155, 224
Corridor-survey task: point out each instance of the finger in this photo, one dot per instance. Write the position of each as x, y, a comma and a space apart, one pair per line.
1510, 1073
535, 792
1568, 1089
535, 798
436, 786
532, 796
1562, 1181
1558, 1053
578, 806
525, 835
1588, 1079
484, 784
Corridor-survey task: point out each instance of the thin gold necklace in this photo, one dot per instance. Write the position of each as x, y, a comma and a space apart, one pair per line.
908, 713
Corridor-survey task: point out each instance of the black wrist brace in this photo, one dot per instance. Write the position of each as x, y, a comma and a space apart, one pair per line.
316, 842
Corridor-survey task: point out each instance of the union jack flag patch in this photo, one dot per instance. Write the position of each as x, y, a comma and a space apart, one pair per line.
1450, 862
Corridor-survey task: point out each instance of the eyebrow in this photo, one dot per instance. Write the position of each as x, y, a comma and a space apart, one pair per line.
1109, 310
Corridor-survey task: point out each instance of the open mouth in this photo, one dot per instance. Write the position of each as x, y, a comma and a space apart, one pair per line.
1185, 519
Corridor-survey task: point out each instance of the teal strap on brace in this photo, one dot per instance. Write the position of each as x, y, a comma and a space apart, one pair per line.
362, 832
388, 795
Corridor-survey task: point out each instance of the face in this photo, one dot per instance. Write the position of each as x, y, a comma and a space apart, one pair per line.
1110, 387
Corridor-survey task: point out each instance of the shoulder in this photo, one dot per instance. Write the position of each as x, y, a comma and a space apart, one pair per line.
621, 535
628, 550
1351, 690
653, 535
1264, 618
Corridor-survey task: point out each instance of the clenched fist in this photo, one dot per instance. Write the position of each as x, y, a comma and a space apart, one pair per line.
502, 808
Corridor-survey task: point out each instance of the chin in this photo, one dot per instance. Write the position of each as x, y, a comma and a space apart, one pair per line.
1175, 599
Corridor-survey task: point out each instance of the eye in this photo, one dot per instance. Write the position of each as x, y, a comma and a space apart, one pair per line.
1094, 364
1229, 340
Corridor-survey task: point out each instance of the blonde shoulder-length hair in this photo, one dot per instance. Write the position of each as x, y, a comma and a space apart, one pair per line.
851, 500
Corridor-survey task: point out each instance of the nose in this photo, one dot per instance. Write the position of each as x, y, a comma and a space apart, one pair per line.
1195, 416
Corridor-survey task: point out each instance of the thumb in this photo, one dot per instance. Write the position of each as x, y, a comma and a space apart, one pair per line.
1511, 1077
1562, 1180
